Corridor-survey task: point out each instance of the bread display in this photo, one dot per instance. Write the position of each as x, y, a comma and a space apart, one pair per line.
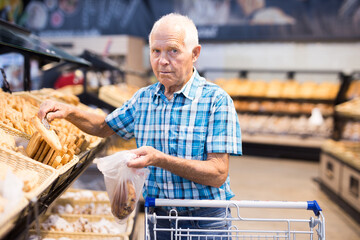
83, 214
350, 108
81, 225
284, 125
87, 209
49, 93
287, 89
351, 131
117, 95
81, 201
347, 151
353, 90
16, 112
55, 147
39, 149
124, 200
282, 107
85, 195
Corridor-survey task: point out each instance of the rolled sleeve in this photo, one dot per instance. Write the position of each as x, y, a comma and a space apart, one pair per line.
121, 120
224, 134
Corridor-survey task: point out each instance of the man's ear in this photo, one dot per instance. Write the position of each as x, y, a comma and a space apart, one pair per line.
196, 53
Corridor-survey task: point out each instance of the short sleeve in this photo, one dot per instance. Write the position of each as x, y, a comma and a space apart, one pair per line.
121, 120
224, 134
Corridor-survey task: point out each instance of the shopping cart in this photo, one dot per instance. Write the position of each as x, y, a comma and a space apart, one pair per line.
266, 228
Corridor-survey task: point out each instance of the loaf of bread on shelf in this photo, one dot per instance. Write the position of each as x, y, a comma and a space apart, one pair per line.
281, 106
258, 89
16, 112
239, 87
254, 106
124, 200
306, 108
326, 90
274, 89
268, 106
307, 89
293, 107
290, 89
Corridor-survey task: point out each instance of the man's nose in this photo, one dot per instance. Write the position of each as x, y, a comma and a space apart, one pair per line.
163, 59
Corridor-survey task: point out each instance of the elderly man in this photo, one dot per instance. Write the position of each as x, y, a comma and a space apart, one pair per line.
185, 127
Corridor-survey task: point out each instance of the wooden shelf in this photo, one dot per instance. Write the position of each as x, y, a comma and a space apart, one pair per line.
284, 140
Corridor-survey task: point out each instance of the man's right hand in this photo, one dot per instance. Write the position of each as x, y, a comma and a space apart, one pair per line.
91, 123
51, 110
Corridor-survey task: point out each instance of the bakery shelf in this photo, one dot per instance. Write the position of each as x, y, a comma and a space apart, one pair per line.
293, 141
37, 207
296, 100
286, 98
16, 39
8, 222
350, 109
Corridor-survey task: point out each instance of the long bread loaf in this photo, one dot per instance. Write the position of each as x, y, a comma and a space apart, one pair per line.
49, 135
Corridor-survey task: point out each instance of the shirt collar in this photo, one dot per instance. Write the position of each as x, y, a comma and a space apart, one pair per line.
188, 90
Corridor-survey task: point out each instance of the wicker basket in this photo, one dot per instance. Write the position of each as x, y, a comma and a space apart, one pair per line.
80, 205
83, 203
127, 229
83, 200
7, 222
65, 171
14, 132
16, 161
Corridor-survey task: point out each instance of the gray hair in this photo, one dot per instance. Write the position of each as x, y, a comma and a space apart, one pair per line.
191, 34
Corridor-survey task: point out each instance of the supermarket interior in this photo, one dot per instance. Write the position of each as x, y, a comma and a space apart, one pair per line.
291, 70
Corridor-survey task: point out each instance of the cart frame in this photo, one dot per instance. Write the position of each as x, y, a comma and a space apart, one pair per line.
315, 225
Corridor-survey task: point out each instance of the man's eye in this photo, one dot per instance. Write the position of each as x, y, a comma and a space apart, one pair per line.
174, 50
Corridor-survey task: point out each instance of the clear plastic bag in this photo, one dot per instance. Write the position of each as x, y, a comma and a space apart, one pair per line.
123, 184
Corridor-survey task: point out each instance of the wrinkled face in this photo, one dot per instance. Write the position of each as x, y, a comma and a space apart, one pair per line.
171, 61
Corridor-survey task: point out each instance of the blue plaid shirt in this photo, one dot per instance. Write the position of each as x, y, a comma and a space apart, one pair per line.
199, 119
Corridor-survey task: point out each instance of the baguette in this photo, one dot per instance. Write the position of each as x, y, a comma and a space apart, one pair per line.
33, 144
40, 150
49, 156
44, 153
49, 135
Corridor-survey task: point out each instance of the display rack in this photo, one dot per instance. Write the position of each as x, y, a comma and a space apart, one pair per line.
282, 146
99, 64
27, 218
19, 40
340, 158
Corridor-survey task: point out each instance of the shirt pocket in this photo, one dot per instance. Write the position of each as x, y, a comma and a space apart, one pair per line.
189, 142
